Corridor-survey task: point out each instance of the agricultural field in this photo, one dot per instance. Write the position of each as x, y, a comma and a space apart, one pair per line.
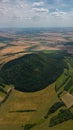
67, 99
36, 80
14, 44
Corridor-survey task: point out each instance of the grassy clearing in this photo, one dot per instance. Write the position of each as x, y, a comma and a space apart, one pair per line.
41, 101
43, 124
61, 80
10, 127
2, 94
26, 101
68, 125
7, 87
65, 81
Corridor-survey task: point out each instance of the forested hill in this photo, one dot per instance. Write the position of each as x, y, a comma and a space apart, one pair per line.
33, 72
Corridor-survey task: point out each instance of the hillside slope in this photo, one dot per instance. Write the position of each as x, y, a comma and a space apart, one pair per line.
34, 71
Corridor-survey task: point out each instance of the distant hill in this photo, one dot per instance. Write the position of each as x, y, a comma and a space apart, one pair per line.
35, 71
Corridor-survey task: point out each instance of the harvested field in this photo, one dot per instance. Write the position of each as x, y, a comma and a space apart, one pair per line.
67, 99
14, 49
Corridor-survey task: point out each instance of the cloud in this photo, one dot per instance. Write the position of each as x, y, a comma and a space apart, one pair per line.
19, 17
4, 1
36, 12
3, 10
40, 9
27, 18
38, 3
58, 13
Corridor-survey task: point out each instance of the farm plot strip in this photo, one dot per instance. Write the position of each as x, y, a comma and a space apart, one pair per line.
67, 99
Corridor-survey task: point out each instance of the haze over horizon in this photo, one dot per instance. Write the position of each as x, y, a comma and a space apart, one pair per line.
36, 13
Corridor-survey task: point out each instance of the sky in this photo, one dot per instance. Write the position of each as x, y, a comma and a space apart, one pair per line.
36, 13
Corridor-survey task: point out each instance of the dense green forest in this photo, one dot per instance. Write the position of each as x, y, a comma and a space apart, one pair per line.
35, 71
